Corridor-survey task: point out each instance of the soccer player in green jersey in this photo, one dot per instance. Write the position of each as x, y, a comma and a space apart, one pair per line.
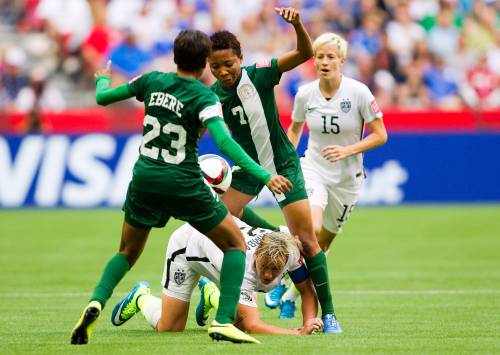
167, 180
249, 106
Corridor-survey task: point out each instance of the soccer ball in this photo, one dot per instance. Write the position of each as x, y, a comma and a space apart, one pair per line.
216, 172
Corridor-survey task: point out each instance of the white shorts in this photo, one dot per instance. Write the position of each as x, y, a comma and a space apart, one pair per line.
179, 278
336, 200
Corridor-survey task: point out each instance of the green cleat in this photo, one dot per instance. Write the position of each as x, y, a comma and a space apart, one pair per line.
209, 300
83, 328
128, 307
228, 332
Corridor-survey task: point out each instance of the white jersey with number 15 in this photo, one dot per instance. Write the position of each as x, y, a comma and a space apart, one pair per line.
337, 121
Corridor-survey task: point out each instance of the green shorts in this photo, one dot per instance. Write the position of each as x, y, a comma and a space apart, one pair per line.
199, 207
248, 184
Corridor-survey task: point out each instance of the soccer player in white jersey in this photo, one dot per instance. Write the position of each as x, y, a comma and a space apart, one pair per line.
336, 109
270, 255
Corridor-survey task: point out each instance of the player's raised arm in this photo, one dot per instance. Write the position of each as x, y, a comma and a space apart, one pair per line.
104, 94
276, 183
304, 49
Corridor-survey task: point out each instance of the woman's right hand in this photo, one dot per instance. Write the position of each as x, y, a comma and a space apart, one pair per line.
279, 184
311, 325
103, 71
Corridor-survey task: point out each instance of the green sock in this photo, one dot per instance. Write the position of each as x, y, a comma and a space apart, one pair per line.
231, 276
318, 270
253, 219
114, 271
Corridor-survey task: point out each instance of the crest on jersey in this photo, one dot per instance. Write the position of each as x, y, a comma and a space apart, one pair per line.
246, 91
345, 105
246, 296
179, 277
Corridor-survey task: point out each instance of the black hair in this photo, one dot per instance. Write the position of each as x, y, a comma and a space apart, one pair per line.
191, 49
225, 40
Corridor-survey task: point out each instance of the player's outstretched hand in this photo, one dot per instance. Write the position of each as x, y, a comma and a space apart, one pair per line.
103, 71
279, 184
289, 14
334, 153
311, 325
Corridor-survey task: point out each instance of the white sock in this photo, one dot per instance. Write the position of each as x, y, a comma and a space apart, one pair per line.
151, 308
291, 294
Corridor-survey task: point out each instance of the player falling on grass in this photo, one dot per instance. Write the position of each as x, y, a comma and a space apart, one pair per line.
249, 105
336, 109
190, 254
167, 178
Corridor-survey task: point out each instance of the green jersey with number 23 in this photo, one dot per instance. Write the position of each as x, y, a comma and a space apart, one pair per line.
176, 108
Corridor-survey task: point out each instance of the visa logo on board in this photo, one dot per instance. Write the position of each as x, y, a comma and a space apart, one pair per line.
59, 170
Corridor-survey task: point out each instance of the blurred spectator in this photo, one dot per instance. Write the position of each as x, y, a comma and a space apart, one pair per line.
443, 38
38, 95
412, 93
403, 33
366, 41
95, 48
13, 76
391, 42
493, 55
67, 22
29, 20
232, 13
385, 59
10, 14
481, 89
129, 59
442, 83
150, 23
481, 28
333, 16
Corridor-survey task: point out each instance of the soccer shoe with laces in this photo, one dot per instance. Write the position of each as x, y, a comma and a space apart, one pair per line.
287, 309
229, 332
128, 307
209, 293
331, 324
83, 328
273, 297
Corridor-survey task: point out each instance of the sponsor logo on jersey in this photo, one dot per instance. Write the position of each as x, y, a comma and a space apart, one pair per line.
246, 91
345, 105
264, 63
375, 107
179, 277
310, 109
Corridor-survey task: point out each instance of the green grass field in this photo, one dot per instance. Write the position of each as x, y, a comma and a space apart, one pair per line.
406, 280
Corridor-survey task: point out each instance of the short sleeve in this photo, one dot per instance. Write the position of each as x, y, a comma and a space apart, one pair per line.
248, 298
138, 85
299, 107
367, 105
209, 107
267, 72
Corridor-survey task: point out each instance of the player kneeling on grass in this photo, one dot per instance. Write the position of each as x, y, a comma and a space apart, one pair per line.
270, 255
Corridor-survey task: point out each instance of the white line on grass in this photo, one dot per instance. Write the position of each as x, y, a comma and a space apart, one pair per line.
339, 292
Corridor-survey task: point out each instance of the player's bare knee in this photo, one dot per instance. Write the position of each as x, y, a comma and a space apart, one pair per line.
132, 255
310, 247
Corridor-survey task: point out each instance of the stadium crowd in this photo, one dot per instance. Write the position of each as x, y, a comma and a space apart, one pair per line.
414, 54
